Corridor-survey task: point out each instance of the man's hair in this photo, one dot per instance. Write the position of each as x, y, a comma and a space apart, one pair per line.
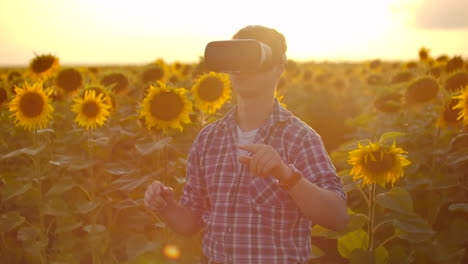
269, 36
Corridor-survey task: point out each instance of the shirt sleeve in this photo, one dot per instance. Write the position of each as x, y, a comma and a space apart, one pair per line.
195, 196
315, 164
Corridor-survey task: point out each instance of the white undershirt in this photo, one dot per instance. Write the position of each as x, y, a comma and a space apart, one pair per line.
245, 138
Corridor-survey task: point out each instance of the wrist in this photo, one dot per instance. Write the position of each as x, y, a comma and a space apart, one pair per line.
290, 177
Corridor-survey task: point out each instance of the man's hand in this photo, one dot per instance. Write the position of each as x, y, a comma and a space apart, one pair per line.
264, 161
158, 196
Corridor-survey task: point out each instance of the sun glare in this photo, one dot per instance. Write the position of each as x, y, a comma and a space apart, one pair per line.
141, 31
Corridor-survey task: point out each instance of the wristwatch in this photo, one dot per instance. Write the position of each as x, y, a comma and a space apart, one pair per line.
293, 180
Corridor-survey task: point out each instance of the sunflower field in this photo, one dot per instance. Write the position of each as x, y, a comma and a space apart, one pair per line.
79, 145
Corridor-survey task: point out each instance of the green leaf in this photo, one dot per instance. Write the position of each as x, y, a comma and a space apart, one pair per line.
147, 148
94, 228
458, 158
10, 220
67, 225
138, 244
14, 188
60, 160
359, 256
45, 130
356, 221
397, 199
459, 207
354, 240
362, 256
413, 228
101, 141
381, 255
390, 136
56, 207
130, 183
61, 187
27, 151
127, 203
316, 252
76, 165
85, 207
33, 241
120, 171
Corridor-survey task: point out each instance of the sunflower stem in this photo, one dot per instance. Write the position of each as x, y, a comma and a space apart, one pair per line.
93, 188
37, 175
364, 196
370, 232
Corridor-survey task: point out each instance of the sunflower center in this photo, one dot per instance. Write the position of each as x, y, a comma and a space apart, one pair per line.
31, 104
383, 162
90, 109
211, 89
166, 106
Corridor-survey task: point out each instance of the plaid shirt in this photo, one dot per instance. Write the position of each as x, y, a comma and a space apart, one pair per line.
249, 219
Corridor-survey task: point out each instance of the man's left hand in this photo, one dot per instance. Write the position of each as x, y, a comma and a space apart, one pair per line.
264, 161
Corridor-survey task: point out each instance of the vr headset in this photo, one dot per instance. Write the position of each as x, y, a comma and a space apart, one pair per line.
238, 56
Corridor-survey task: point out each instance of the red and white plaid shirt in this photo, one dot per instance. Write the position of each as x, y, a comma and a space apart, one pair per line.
249, 219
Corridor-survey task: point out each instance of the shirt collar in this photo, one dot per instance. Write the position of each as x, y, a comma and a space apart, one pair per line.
278, 115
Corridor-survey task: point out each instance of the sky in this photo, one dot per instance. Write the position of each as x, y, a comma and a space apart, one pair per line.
89, 32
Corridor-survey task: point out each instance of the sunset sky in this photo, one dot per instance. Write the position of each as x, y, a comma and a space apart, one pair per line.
140, 31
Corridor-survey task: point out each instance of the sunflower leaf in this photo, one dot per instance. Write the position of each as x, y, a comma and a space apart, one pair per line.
390, 135
397, 199
10, 220
358, 239
14, 188
413, 228
148, 148
27, 151
460, 207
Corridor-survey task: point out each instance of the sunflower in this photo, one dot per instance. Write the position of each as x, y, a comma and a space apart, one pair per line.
211, 91
117, 81
448, 115
456, 81
388, 103
165, 107
3, 95
69, 80
31, 106
378, 163
91, 109
463, 106
100, 90
421, 90
44, 65
454, 64
424, 54
401, 77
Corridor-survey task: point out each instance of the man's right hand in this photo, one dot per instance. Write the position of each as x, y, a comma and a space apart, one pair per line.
158, 196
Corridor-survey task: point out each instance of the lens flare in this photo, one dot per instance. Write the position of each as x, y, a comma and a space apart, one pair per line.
171, 251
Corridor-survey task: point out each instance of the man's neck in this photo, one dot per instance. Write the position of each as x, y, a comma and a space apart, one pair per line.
252, 112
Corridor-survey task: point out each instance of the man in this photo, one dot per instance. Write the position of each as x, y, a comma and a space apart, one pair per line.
256, 179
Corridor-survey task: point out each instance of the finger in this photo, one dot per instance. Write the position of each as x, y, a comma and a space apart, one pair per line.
263, 162
258, 159
245, 160
251, 147
167, 193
